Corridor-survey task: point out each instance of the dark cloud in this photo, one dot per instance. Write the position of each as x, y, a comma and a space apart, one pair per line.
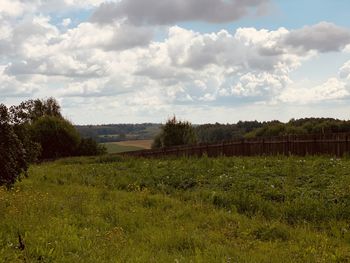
163, 12
322, 37
126, 37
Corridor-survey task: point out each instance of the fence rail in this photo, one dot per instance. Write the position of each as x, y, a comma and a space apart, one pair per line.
337, 144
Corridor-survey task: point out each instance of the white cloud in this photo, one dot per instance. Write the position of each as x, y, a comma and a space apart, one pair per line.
12, 87
66, 22
344, 71
187, 67
11, 8
333, 89
121, 62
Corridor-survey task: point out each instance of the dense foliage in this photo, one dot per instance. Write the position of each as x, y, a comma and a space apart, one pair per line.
175, 133
57, 137
34, 130
89, 147
12, 153
31, 110
211, 133
301, 126
109, 209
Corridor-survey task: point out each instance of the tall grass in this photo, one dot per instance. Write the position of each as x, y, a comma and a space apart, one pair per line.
111, 209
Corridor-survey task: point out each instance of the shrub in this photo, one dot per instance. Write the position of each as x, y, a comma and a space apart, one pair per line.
57, 137
89, 147
175, 133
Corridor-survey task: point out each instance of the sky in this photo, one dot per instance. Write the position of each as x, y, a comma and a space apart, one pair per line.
205, 61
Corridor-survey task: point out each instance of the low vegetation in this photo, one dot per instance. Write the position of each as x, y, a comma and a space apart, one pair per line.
111, 209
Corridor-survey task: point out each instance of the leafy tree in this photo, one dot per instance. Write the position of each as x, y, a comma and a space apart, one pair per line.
45, 133
213, 133
301, 126
31, 110
12, 154
24, 115
57, 137
174, 133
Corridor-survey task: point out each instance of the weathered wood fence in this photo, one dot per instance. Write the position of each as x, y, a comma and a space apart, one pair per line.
336, 144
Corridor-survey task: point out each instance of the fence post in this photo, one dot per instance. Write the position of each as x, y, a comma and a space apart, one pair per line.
243, 147
263, 147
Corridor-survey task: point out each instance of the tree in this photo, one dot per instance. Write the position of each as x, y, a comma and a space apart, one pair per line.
46, 134
24, 115
174, 133
31, 110
57, 137
12, 153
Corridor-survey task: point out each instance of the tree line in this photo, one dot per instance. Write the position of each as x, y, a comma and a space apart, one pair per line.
175, 132
119, 132
300, 127
35, 130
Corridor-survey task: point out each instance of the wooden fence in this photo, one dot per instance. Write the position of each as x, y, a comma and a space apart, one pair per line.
335, 144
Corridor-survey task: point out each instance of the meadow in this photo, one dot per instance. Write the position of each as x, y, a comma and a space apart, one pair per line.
144, 144
113, 147
116, 209
127, 146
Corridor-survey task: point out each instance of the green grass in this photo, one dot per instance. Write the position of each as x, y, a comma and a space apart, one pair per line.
109, 209
115, 148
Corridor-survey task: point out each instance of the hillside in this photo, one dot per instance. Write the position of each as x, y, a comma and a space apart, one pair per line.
108, 209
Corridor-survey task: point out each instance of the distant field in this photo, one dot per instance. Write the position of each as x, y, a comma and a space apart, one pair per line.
113, 147
144, 144
127, 146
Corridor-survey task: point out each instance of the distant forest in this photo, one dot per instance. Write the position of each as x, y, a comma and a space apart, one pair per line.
211, 133
119, 132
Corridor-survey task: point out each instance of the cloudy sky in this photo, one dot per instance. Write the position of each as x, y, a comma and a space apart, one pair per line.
128, 61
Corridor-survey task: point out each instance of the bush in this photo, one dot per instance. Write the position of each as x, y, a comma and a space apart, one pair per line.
89, 147
57, 137
175, 133
12, 154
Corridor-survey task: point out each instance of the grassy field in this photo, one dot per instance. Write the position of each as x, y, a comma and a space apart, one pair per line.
144, 144
109, 209
113, 147
127, 146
